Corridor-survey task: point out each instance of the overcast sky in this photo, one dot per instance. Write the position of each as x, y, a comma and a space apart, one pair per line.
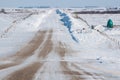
59, 3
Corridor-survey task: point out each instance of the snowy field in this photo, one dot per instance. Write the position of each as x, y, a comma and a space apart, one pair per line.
101, 19
54, 44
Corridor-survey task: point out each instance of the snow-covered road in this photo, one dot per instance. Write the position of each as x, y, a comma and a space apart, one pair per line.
52, 54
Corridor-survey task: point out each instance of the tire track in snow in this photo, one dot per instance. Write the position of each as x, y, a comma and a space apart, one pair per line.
60, 49
26, 73
73, 75
3, 66
102, 74
26, 51
29, 49
48, 46
95, 76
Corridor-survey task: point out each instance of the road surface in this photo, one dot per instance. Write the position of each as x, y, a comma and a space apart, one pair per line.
49, 56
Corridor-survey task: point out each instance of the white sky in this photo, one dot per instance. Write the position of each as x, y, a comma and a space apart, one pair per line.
59, 3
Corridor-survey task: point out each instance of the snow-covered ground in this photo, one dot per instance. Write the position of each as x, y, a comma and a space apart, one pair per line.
40, 47
16, 30
100, 19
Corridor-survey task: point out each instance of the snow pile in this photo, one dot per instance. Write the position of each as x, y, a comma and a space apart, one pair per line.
67, 22
100, 28
79, 25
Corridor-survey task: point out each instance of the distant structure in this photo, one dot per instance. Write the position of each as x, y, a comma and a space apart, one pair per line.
2, 11
113, 9
97, 10
34, 7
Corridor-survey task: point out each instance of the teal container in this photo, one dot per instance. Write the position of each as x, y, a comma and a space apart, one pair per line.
110, 23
